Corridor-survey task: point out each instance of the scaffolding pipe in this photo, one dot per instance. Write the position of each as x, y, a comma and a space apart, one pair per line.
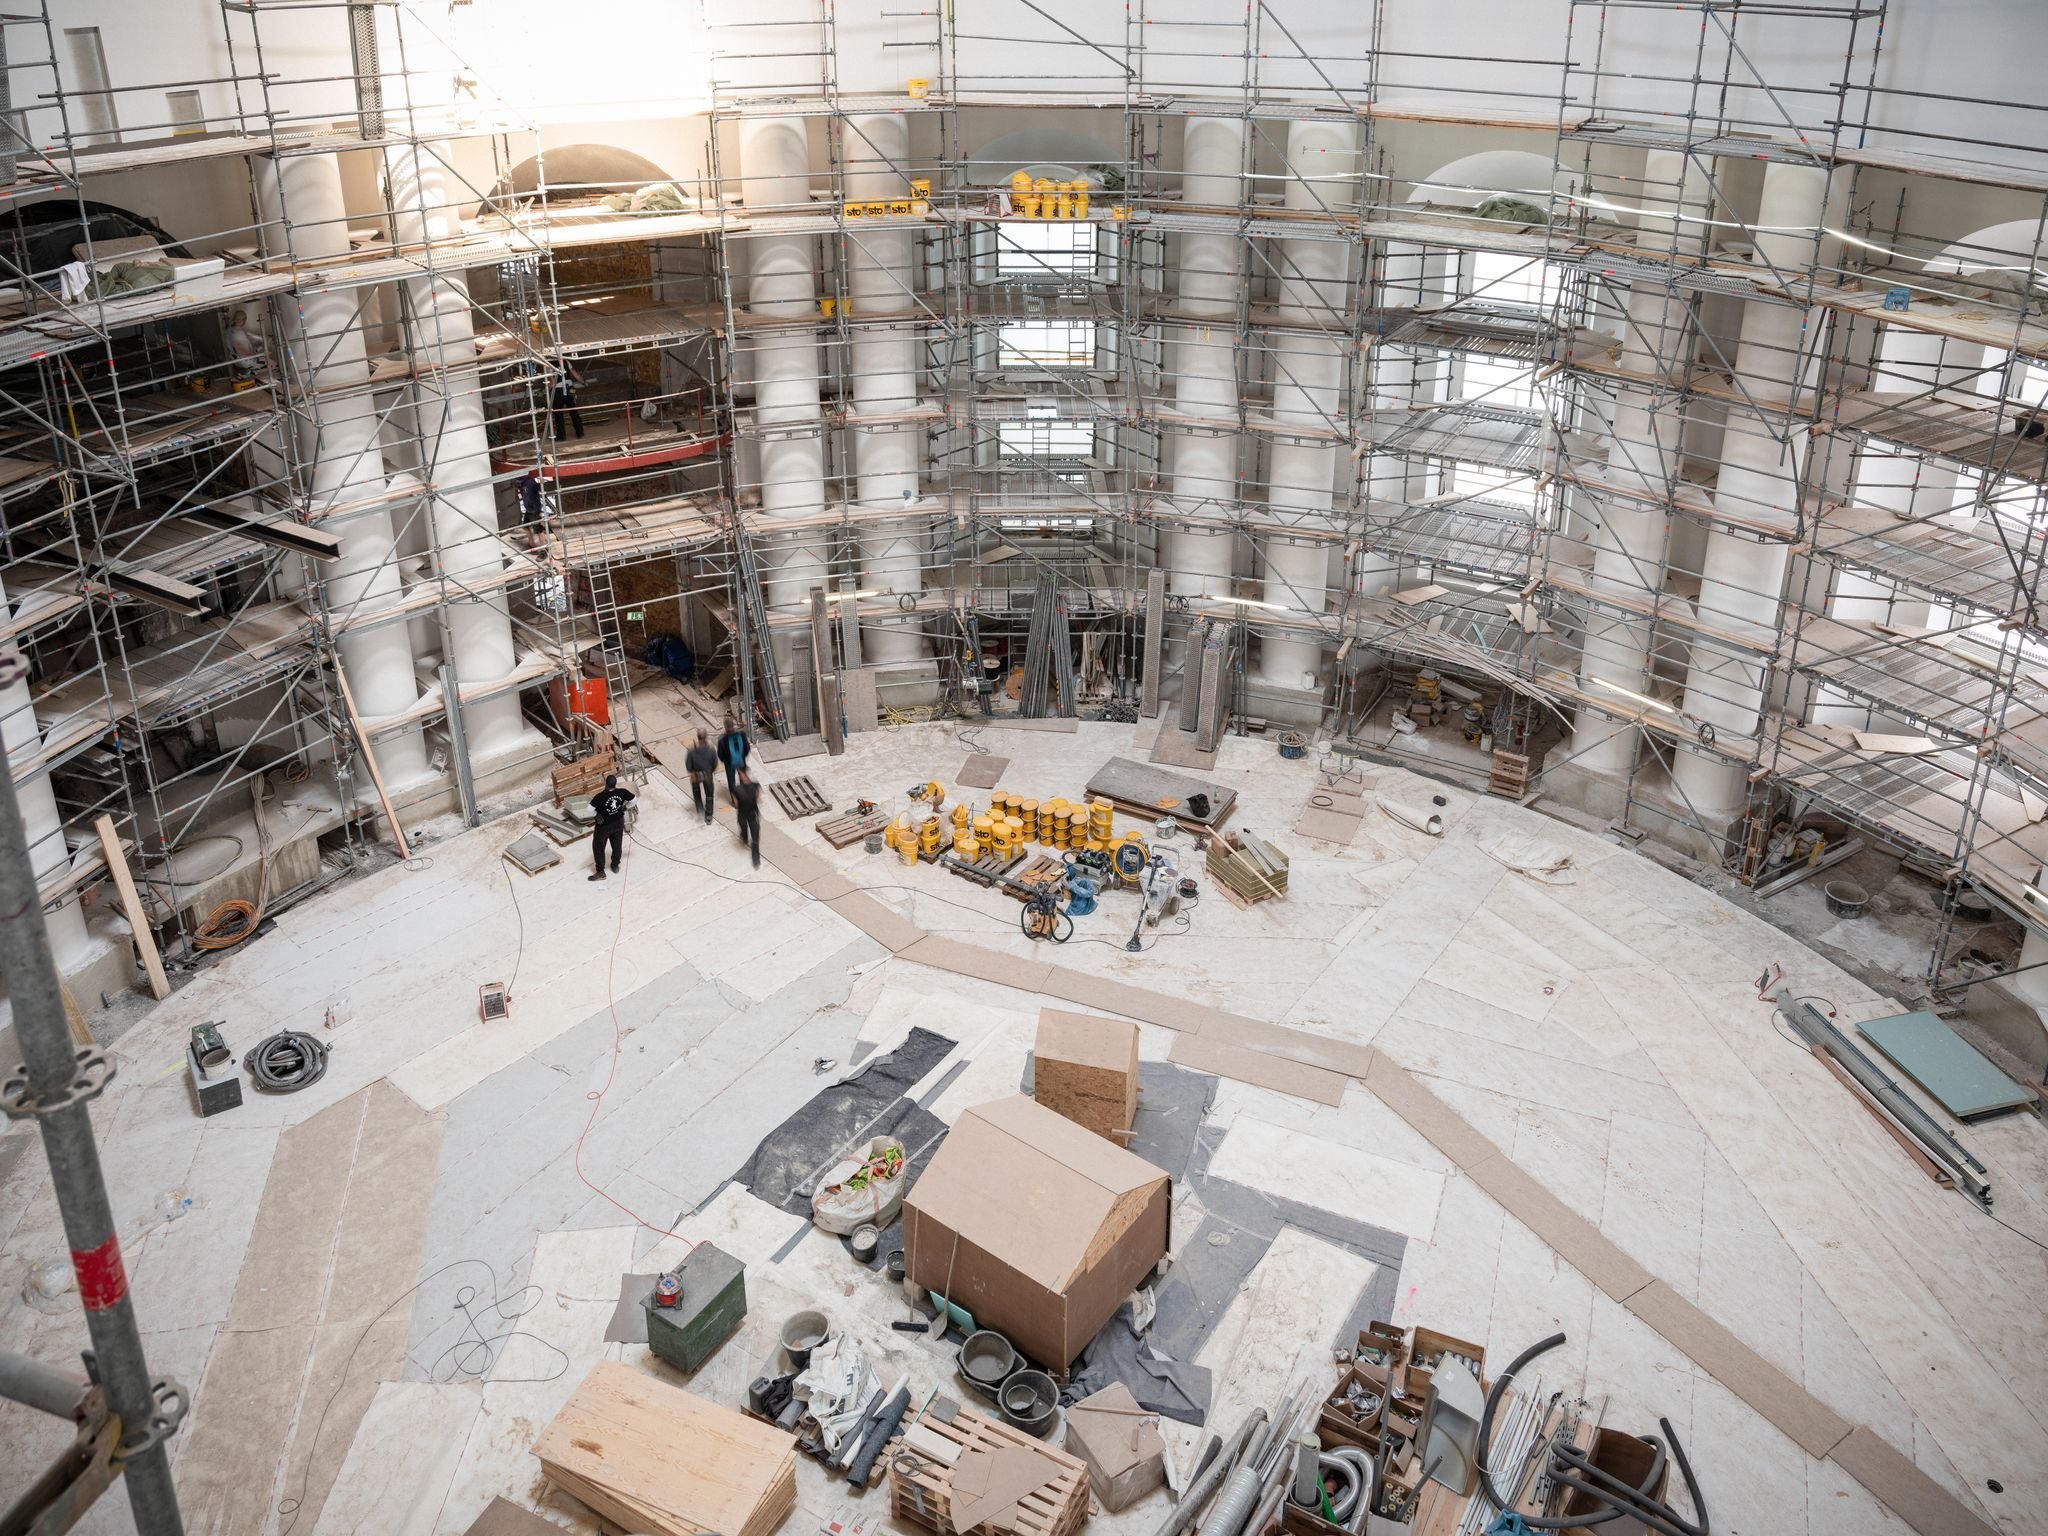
1205, 358
888, 462
1307, 387
49, 854
58, 1083
45, 1388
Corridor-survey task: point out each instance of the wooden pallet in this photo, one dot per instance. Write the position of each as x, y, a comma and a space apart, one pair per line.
1043, 870
799, 797
921, 1490
1510, 775
843, 831
585, 776
986, 870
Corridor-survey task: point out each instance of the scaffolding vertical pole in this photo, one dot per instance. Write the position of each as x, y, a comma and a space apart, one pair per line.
53, 1086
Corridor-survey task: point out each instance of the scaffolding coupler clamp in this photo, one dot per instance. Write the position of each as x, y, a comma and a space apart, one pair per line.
95, 1071
172, 1403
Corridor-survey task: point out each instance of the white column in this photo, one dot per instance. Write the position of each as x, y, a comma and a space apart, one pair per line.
1307, 386
324, 333
43, 828
1742, 585
887, 464
1205, 360
1405, 283
775, 167
1628, 537
455, 457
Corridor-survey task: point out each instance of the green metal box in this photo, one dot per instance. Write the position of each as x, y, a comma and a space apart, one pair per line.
714, 1300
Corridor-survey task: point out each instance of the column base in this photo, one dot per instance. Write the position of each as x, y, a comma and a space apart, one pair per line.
1283, 705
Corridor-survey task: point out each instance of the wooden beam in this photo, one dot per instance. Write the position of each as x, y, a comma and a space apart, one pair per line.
131, 904
277, 531
830, 723
1155, 643
355, 722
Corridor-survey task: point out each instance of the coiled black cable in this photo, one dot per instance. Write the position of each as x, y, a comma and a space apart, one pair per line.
287, 1062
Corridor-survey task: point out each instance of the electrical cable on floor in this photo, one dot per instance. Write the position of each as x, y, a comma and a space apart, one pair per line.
596, 1097
473, 1340
512, 986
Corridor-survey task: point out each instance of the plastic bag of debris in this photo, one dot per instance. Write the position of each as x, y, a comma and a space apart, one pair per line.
864, 1188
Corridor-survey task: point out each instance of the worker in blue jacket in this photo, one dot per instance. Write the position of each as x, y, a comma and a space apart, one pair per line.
733, 751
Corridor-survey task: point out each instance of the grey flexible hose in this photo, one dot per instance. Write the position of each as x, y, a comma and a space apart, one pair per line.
1183, 1513
1349, 1460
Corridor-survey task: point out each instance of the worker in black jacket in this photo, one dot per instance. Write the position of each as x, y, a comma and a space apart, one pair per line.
699, 761
733, 751
609, 806
746, 798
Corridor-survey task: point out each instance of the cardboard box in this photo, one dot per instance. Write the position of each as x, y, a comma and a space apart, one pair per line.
1037, 1228
1429, 1345
1627, 1458
1121, 1444
1086, 1068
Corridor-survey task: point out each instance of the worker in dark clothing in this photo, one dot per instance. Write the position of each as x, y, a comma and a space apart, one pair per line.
746, 796
733, 751
531, 507
563, 402
609, 806
699, 761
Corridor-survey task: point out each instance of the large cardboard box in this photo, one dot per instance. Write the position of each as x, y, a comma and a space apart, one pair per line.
1087, 1068
1037, 1227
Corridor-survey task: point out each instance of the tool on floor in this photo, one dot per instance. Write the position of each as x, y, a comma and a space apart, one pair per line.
208, 1048
493, 1002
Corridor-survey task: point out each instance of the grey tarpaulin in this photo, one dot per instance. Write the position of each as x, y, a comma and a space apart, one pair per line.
1175, 1388
869, 1102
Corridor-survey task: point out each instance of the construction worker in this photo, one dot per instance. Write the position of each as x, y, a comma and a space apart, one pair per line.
562, 403
746, 797
531, 505
700, 760
733, 751
609, 806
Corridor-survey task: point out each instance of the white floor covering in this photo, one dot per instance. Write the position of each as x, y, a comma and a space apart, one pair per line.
1603, 1033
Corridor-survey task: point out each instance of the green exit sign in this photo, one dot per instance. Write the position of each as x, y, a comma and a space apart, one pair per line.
635, 615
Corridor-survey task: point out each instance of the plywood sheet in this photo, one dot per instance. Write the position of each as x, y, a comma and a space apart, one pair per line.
982, 771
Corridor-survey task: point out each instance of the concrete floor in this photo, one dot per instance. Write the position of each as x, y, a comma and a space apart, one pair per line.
387, 1284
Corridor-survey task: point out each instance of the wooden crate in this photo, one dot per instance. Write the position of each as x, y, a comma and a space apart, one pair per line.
1510, 775
923, 1495
799, 797
840, 831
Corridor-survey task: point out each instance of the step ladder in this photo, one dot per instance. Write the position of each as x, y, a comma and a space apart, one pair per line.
759, 681
611, 650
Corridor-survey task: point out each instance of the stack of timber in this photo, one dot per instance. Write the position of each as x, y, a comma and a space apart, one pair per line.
999, 1478
1248, 868
655, 1459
